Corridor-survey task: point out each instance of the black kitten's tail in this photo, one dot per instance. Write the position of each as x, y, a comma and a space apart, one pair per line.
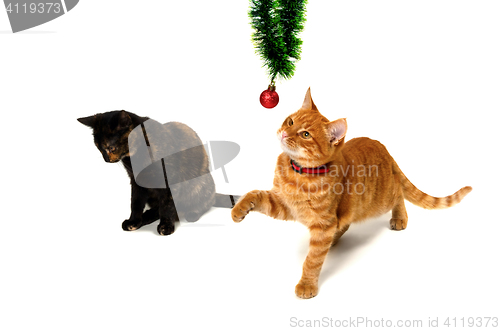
225, 201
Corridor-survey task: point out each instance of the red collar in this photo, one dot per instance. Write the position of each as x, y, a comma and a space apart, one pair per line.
319, 170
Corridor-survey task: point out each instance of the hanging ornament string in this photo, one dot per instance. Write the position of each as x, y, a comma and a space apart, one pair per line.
277, 24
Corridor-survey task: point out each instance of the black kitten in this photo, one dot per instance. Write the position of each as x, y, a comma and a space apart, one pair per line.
189, 190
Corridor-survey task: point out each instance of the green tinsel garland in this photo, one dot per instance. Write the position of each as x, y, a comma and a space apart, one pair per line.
277, 24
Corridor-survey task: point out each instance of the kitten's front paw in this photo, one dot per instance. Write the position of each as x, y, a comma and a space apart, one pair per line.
165, 229
242, 208
131, 225
306, 291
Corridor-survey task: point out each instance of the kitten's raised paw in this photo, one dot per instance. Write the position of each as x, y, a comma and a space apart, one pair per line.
241, 210
165, 229
131, 225
398, 224
306, 291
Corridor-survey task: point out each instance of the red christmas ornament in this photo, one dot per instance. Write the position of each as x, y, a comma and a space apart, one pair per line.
269, 98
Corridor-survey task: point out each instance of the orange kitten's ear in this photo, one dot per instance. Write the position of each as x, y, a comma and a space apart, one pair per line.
337, 130
308, 102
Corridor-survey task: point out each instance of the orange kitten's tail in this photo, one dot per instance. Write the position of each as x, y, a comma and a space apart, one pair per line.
419, 198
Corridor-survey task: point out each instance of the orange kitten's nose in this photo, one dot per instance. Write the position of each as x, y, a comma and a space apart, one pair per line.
284, 135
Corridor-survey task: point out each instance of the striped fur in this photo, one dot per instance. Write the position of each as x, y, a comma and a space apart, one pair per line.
363, 181
421, 199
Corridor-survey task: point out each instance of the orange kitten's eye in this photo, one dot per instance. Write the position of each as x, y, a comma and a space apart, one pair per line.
305, 135
290, 121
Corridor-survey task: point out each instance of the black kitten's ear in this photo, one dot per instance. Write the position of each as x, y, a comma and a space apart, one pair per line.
125, 120
88, 121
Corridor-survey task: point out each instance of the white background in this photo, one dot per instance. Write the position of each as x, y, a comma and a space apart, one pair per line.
422, 77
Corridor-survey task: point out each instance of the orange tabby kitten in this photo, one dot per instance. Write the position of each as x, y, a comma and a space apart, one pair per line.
327, 184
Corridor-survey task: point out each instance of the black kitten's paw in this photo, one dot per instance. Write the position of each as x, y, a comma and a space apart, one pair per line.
192, 216
165, 229
131, 225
